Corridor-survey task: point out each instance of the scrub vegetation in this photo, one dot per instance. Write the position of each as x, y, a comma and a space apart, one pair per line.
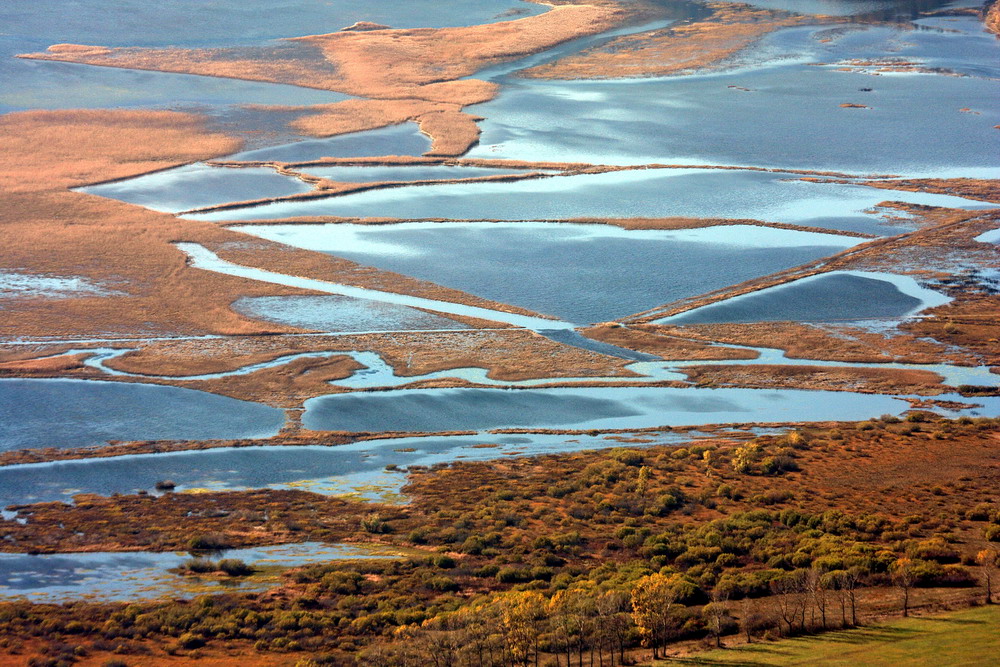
625, 553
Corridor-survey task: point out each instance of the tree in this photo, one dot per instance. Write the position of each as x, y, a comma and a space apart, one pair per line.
716, 614
988, 559
788, 590
520, 612
853, 577
834, 581
745, 458
642, 485
653, 598
751, 617
818, 585
904, 576
570, 612
612, 610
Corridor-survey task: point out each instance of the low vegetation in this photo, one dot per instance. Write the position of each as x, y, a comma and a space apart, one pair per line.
619, 554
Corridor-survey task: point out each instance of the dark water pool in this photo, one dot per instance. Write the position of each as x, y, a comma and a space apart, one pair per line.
78, 413
827, 298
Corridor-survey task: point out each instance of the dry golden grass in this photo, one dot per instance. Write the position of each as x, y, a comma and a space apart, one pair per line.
698, 45
971, 188
48, 230
824, 342
874, 380
53, 150
52, 365
452, 132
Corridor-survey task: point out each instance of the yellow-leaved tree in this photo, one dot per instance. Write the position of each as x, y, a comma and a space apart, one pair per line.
653, 598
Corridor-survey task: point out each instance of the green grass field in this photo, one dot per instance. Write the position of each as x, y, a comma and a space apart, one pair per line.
967, 637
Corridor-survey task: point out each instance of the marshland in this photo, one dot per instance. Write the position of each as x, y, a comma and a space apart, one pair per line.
494, 333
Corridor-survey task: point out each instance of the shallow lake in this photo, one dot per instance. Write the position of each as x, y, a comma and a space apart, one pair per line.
341, 314
79, 413
197, 185
583, 408
790, 117
357, 469
32, 26
689, 193
403, 139
140, 575
827, 297
582, 273
414, 173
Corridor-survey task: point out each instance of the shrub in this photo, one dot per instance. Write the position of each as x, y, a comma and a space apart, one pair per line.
630, 457
373, 523
512, 575
209, 542
234, 567
442, 584
445, 562
200, 565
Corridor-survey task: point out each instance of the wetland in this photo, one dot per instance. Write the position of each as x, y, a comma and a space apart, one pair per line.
431, 311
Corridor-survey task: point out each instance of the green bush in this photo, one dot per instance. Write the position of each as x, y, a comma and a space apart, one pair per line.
234, 567
209, 542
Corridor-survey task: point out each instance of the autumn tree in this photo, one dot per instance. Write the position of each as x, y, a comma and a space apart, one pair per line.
988, 559
653, 598
904, 576
570, 612
520, 613
751, 617
613, 624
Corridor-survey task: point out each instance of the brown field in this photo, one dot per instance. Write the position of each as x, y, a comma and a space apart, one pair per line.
934, 482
